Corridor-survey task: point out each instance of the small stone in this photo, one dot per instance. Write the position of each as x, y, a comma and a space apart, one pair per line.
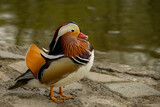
132, 89
103, 77
9, 55
74, 86
134, 79
19, 66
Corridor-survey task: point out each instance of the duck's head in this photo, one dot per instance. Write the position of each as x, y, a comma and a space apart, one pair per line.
68, 32
71, 29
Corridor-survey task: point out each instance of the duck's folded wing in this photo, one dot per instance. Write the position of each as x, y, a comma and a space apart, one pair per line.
34, 60
57, 70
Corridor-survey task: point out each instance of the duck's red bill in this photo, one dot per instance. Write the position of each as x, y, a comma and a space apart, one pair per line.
82, 36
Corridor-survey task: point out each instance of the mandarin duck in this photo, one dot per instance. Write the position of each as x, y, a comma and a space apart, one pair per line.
69, 58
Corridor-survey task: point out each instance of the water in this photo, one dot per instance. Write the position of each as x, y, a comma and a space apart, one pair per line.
121, 31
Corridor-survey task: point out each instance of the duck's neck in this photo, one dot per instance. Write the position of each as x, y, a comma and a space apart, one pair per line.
72, 47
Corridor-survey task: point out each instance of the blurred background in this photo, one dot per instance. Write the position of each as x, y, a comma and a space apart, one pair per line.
121, 31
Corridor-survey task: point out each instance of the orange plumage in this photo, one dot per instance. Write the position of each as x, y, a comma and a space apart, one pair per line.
34, 60
72, 47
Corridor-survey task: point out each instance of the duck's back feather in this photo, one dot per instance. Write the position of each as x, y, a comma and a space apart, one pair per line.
34, 60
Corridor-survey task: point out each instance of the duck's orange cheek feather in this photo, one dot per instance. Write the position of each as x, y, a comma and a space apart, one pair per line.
34, 60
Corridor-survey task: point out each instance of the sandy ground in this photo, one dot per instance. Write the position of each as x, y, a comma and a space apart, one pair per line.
87, 93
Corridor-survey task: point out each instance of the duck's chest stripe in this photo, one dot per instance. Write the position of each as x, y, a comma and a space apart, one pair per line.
80, 60
51, 57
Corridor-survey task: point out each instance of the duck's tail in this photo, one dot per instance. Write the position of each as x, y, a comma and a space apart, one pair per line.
23, 79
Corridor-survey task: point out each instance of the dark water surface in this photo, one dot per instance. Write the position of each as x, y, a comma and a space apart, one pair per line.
121, 31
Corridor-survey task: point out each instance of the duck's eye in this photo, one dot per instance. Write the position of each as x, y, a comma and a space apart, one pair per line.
72, 30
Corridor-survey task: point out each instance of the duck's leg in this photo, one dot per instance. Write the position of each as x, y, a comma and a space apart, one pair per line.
52, 97
62, 95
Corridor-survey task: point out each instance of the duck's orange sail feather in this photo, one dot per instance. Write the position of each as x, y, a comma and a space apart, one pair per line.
34, 60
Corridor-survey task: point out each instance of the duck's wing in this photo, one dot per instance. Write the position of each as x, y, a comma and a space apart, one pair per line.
34, 60
57, 70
